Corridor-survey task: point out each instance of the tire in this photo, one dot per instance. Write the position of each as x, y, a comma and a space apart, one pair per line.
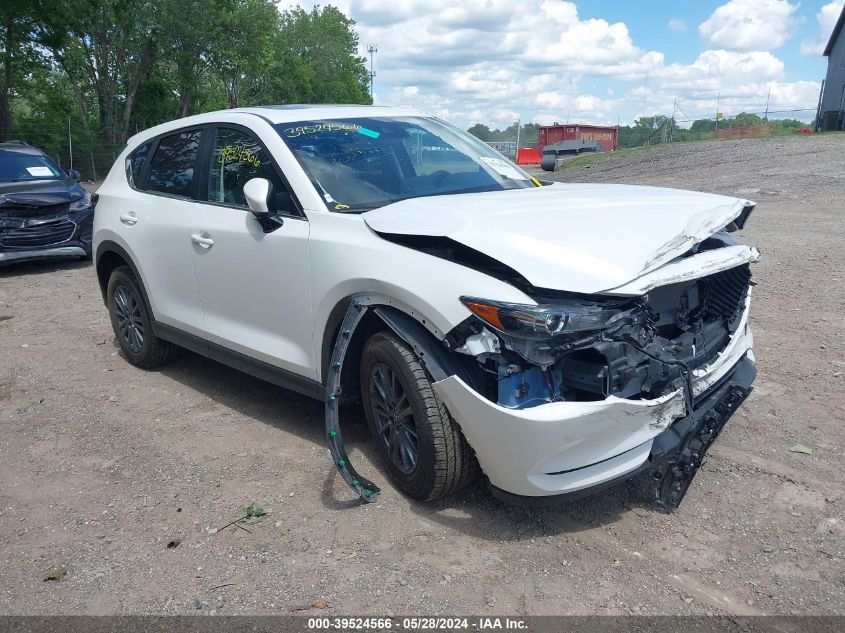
402, 410
130, 320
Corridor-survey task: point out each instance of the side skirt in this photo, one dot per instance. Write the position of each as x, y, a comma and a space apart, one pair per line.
241, 362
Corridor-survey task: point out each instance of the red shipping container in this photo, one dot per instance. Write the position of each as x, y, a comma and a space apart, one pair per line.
608, 137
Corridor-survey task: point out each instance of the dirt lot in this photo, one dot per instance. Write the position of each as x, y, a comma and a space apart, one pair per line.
102, 464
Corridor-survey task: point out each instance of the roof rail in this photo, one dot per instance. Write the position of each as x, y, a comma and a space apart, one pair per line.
14, 142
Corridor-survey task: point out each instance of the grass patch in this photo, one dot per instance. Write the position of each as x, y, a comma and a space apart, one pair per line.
599, 158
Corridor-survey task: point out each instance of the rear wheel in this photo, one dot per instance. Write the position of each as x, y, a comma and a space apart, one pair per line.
420, 445
132, 324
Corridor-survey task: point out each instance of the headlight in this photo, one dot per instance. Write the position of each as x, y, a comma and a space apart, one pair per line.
80, 204
564, 317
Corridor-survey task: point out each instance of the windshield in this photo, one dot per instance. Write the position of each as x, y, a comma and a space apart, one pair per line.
19, 166
365, 163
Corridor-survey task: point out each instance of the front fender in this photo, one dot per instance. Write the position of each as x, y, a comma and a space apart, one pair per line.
386, 305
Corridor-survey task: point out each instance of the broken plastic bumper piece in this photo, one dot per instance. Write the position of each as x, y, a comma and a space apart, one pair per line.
674, 456
678, 452
560, 448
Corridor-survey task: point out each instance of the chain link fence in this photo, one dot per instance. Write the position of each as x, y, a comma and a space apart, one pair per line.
70, 147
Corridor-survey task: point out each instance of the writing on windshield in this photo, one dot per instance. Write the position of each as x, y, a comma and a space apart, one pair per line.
365, 163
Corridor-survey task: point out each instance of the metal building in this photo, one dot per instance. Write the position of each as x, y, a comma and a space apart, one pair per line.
832, 108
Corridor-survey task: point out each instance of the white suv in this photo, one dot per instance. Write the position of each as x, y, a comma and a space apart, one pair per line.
561, 337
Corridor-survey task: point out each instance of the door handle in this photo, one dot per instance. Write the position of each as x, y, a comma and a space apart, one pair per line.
204, 242
129, 218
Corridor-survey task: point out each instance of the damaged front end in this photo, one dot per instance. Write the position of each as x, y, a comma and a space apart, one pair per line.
581, 349
663, 355
49, 228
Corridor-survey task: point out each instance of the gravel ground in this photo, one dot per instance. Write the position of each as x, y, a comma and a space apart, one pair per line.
103, 464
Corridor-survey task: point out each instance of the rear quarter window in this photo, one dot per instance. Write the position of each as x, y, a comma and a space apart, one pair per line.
135, 164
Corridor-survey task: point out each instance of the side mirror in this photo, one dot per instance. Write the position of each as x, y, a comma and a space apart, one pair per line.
75, 175
257, 194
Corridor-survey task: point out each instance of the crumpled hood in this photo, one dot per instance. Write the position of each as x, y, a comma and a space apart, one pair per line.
34, 194
575, 237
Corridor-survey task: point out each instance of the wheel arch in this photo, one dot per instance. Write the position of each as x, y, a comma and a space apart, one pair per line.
387, 314
111, 255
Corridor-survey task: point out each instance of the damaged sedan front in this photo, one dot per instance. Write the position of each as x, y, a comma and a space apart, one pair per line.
44, 212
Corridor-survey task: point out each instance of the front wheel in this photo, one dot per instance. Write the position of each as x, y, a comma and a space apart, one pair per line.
420, 444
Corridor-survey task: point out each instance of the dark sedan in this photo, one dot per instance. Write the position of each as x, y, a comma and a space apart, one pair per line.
44, 212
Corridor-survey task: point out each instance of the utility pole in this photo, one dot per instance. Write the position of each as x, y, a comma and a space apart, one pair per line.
69, 143
718, 98
766, 118
518, 125
672, 122
645, 92
372, 49
651, 127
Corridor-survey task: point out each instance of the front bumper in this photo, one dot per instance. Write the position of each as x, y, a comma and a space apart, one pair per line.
45, 253
67, 235
562, 448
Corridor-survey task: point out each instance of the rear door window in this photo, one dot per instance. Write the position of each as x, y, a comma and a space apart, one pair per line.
173, 165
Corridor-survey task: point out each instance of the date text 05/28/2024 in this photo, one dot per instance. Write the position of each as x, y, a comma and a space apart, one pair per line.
417, 624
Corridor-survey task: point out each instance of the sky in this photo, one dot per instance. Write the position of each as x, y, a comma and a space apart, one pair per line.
591, 61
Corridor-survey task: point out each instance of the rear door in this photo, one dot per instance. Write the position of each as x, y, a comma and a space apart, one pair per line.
254, 286
157, 224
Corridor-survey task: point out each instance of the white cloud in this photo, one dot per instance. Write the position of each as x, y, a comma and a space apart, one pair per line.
826, 17
749, 25
677, 24
493, 61
715, 71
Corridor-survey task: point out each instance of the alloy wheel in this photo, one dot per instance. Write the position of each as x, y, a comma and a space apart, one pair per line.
130, 327
394, 419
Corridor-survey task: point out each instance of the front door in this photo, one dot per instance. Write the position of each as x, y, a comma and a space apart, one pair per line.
254, 286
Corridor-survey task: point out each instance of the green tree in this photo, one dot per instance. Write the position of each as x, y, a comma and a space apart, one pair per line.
744, 119
110, 68
41, 118
527, 133
243, 58
18, 54
191, 45
318, 59
703, 126
108, 48
648, 130
788, 124
481, 131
